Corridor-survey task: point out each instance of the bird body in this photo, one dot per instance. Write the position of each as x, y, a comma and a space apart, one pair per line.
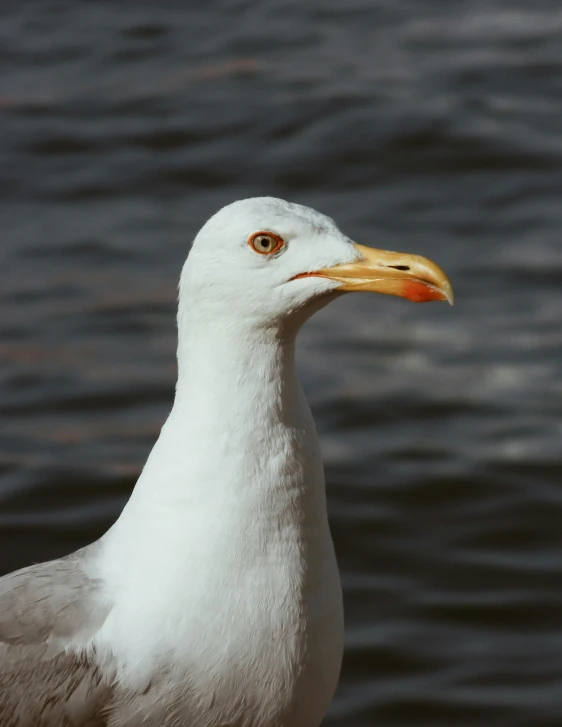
215, 599
254, 598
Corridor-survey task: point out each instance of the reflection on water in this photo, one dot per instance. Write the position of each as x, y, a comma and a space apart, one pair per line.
425, 127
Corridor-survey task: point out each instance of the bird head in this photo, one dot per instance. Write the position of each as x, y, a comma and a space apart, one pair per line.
266, 261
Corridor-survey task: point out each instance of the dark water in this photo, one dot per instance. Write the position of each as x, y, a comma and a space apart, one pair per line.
423, 126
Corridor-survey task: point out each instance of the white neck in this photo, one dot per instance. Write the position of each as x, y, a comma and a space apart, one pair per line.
222, 561
240, 442
220, 364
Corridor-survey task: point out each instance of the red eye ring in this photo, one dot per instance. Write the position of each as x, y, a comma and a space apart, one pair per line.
265, 242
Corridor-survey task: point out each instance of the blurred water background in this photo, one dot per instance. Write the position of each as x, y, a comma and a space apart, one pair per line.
429, 126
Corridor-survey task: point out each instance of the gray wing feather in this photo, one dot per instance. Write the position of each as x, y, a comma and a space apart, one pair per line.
43, 610
54, 599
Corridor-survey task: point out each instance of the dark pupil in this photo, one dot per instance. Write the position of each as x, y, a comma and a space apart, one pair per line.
265, 242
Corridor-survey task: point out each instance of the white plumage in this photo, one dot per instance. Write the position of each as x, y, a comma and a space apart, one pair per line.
215, 598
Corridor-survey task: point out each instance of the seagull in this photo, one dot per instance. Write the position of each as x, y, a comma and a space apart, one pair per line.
215, 598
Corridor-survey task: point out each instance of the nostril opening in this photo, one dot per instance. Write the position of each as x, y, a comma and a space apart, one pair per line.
398, 267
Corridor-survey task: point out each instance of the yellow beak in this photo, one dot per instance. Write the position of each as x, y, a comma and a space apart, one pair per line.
393, 273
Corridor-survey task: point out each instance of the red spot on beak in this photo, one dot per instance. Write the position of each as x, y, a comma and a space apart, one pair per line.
421, 292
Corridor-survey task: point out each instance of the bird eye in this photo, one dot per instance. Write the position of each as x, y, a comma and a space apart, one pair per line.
265, 242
